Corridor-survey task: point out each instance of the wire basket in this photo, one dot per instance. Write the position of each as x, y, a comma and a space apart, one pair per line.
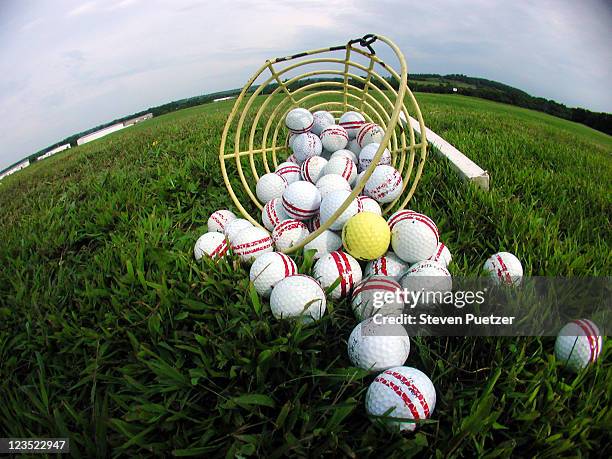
351, 77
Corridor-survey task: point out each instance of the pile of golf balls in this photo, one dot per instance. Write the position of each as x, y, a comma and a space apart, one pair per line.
361, 253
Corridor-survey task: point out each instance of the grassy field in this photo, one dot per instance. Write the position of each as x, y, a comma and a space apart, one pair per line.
112, 335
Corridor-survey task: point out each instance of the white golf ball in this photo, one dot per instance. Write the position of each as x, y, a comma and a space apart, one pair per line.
431, 279
353, 146
370, 133
578, 344
399, 395
212, 244
384, 185
299, 120
298, 297
290, 138
332, 202
301, 200
367, 155
251, 243
373, 346
346, 153
312, 169
273, 213
289, 171
289, 233
388, 265
220, 218
442, 255
324, 243
336, 265
269, 269
342, 166
291, 159
504, 268
270, 186
352, 122
233, 228
369, 205
414, 236
376, 295
334, 138
306, 146
332, 182
322, 119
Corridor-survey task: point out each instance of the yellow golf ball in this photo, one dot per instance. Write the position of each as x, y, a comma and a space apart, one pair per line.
366, 236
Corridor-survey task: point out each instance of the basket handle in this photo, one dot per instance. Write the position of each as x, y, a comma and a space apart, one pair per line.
366, 41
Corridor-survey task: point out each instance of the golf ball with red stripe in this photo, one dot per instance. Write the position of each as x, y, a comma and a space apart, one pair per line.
403, 393
352, 122
578, 344
251, 243
504, 268
388, 265
212, 244
289, 233
269, 269
336, 265
376, 295
414, 236
220, 218
301, 200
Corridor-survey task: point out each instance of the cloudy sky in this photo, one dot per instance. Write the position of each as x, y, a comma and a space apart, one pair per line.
69, 65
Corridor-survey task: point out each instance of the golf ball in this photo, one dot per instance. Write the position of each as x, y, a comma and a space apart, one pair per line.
321, 120
337, 265
270, 186
504, 268
324, 243
299, 120
343, 166
367, 155
289, 171
298, 297
376, 295
370, 133
375, 346
251, 243
312, 169
233, 228
442, 255
578, 344
306, 146
301, 200
289, 233
384, 185
352, 122
414, 236
273, 213
366, 236
212, 244
388, 265
218, 220
334, 138
332, 202
269, 269
332, 182
399, 396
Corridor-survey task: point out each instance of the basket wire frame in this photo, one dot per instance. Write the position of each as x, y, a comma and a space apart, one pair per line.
256, 121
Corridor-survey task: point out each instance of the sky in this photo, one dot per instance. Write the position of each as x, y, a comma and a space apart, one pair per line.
68, 65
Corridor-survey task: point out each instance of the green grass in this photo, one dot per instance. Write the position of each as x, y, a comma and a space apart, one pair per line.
112, 335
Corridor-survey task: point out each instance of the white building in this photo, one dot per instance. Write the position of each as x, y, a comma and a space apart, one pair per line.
15, 168
138, 119
101, 133
55, 150
223, 98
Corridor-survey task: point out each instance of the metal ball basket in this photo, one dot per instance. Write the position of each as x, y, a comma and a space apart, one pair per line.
337, 79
